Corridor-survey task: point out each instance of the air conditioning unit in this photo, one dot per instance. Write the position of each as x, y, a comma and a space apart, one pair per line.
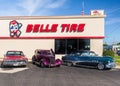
97, 12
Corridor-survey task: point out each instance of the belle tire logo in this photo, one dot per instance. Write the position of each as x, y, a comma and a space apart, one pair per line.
14, 28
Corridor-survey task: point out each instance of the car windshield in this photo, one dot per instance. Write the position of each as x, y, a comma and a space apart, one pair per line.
93, 54
14, 53
46, 52
85, 53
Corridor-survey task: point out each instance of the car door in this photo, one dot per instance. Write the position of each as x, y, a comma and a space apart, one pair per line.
93, 61
84, 60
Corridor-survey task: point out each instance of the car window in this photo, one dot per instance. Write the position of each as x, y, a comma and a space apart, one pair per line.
78, 53
14, 53
85, 53
22, 53
46, 53
38, 52
92, 54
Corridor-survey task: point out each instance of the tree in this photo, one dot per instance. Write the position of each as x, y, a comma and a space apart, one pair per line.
105, 44
118, 43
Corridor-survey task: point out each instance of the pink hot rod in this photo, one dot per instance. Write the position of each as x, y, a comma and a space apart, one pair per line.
45, 58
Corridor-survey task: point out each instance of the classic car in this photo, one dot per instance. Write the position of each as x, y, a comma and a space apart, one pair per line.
89, 59
45, 58
14, 58
118, 52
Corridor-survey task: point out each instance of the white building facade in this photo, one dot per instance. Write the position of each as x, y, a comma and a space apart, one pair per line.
64, 34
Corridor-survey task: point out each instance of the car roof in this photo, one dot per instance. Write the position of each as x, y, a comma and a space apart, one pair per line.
14, 51
84, 51
42, 50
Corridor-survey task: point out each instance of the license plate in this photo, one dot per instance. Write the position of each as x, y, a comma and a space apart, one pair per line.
16, 64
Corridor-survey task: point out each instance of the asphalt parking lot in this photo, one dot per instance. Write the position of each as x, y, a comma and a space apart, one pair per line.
63, 76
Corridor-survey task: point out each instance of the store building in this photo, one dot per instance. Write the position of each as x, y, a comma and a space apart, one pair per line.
63, 34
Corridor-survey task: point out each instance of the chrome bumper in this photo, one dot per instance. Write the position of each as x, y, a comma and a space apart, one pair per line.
110, 65
14, 63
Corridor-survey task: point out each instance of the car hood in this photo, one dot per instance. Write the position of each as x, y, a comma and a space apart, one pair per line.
15, 58
96, 58
106, 58
48, 56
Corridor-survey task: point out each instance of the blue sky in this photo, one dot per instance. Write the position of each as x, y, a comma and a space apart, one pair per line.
67, 7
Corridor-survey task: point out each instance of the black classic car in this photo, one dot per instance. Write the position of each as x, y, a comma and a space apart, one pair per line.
88, 58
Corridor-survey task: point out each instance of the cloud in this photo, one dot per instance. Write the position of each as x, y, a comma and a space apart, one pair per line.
11, 12
30, 7
43, 6
111, 21
56, 4
113, 16
112, 11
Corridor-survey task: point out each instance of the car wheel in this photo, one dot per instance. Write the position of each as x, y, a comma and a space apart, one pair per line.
42, 65
69, 64
101, 66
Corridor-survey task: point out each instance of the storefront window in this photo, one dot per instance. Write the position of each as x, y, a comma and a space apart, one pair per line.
60, 46
84, 44
66, 46
71, 45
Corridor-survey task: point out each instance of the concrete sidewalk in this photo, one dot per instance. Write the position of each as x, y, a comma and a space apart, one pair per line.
117, 66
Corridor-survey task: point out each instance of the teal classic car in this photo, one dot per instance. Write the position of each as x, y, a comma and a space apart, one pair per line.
89, 59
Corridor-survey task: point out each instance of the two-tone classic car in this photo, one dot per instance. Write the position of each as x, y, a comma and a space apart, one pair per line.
14, 58
88, 58
45, 58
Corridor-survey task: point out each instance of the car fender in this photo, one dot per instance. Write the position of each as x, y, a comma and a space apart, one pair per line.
58, 61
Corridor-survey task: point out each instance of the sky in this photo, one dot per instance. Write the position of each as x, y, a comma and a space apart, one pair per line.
67, 7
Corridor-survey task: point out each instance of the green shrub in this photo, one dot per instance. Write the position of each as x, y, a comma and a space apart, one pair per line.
108, 53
